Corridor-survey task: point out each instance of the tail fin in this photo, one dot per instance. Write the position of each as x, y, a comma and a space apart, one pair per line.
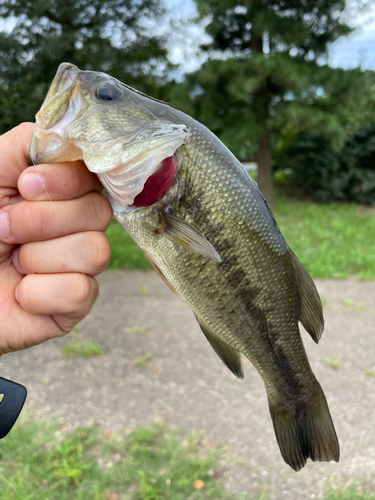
305, 432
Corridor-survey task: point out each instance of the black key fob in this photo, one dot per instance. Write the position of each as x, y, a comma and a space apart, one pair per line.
12, 399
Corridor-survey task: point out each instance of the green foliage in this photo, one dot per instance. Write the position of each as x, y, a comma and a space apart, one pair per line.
311, 100
315, 169
290, 25
125, 252
311, 167
105, 35
265, 73
219, 93
42, 462
358, 166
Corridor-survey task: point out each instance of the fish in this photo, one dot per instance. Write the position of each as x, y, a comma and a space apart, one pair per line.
207, 230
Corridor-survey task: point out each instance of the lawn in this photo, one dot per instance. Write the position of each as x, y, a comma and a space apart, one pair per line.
331, 240
125, 252
50, 462
156, 462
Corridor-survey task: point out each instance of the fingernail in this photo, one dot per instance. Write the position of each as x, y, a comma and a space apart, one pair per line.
15, 258
16, 294
32, 185
4, 226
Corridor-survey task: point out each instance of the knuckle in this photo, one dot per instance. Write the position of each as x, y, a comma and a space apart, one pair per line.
22, 129
99, 210
36, 220
80, 290
25, 263
99, 251
26, 296
76, 178
92, 207
84, 290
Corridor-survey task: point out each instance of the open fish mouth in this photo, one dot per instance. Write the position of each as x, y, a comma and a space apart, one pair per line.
123, 159
61, 106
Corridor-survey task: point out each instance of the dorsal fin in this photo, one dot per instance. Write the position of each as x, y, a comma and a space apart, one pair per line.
228, 355
311, 314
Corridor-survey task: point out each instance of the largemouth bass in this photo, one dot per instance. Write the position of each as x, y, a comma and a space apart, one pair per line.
207, 230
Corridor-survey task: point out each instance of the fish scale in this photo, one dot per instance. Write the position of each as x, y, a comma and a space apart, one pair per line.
211, 237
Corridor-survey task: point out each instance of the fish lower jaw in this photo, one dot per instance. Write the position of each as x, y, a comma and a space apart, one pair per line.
50, 147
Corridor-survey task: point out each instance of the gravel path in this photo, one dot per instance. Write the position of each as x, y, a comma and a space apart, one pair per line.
185, 384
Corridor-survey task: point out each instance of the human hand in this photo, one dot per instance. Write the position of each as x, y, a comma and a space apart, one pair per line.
47, 283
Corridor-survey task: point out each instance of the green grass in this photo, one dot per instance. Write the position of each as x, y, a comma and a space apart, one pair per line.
143, 360
83, 349
334, 363
135, 329
351, 492
125, 252
357, 306
42, 462
331, 240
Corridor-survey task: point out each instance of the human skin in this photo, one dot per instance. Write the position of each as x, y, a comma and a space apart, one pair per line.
50, 251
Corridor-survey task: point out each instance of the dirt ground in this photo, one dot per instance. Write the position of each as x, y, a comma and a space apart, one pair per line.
185, 384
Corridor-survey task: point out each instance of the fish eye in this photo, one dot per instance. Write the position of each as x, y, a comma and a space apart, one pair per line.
107, 92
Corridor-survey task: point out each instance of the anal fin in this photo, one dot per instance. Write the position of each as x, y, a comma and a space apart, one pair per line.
228, 355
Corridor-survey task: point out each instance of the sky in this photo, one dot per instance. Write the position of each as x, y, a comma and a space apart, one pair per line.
347, 52
359, 47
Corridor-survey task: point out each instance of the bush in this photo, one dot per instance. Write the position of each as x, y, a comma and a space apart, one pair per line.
358, 164
312, 168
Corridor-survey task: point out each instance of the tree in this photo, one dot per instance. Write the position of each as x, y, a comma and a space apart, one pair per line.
114, 36
312, 168
265, 64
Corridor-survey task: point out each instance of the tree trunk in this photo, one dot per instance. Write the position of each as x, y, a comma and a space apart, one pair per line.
261, 104
264, 157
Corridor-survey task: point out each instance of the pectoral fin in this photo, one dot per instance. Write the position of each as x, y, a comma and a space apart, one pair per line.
228, 355
182, 233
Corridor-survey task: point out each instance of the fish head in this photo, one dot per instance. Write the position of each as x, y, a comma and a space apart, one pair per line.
121, 134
